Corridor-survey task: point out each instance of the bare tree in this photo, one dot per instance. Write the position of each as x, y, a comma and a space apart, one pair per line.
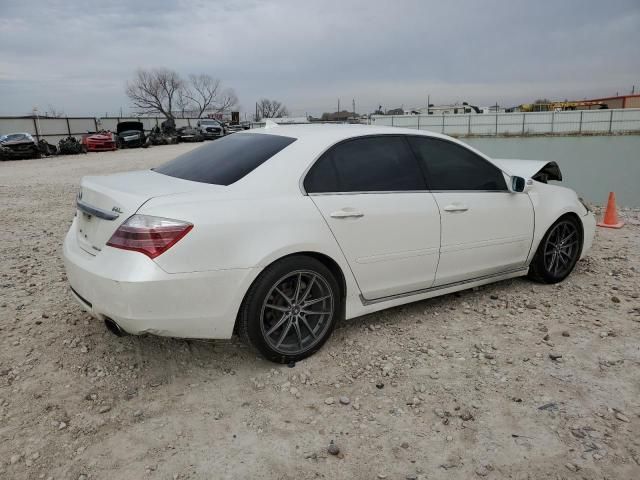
183, 103
205, 94
271, 109
226, 101
202, 91
155, 91
162, 91
54, 112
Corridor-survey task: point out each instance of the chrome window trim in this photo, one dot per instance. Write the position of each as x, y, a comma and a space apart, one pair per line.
317, 194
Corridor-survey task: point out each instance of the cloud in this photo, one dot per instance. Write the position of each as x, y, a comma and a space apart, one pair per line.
78, 55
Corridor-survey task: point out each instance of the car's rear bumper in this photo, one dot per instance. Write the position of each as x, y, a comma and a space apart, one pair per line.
140, 297
589, 231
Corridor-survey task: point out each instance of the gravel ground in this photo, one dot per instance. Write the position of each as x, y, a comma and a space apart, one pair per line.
513, 380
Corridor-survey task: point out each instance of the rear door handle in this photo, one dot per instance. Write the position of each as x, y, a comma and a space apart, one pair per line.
456, 207
346, 214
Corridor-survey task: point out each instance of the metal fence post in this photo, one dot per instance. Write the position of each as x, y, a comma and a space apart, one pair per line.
610, 120
68, 127
496, 123
392, 120
418, 128
95, 122
553, 116
35, 127
469, 125
580, 126
443, 123
524, 116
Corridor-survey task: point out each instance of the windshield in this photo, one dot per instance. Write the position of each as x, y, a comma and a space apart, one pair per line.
227, 160
209, 122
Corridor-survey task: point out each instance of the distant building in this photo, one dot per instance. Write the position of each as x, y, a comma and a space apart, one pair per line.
620, 101
342, 116
288, 120
455, 109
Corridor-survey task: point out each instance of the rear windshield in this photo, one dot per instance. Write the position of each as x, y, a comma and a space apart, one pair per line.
225, 161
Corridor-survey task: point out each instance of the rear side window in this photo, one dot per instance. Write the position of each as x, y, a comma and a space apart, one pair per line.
227, 160
369, 164
452, 167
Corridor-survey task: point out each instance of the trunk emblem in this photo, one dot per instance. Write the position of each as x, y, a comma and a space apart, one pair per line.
116, 209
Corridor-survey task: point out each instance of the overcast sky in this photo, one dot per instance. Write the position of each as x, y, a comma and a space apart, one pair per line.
77, 55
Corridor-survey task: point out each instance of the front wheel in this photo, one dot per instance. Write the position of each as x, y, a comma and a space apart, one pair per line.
558, 252
291, 309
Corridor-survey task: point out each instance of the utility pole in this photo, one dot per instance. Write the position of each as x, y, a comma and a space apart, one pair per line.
353, 104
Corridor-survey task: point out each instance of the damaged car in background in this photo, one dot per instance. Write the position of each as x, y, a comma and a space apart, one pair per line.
211, 128
131, 135
103, 141
18, 146
189, 134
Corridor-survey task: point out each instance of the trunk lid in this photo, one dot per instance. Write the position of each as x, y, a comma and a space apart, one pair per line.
105, 202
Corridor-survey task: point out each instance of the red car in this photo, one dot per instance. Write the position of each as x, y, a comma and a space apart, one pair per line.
99, 142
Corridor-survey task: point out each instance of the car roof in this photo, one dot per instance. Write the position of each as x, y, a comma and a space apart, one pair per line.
332, 133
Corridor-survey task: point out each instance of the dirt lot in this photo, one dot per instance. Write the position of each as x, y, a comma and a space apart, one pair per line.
462, 386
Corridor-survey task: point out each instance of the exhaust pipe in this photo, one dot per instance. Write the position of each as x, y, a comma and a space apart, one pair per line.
114, 328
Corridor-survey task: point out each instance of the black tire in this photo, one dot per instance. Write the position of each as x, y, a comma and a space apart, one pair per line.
558, 252
279, 297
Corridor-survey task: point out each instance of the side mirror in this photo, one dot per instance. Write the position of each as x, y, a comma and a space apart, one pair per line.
518, 184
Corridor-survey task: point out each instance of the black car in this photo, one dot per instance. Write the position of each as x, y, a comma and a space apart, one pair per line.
131, 135
17, 146
189, 134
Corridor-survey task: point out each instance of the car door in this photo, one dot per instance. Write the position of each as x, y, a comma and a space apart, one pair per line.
486, 229
373, 196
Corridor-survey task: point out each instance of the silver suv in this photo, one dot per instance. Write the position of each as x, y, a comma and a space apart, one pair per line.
211, 128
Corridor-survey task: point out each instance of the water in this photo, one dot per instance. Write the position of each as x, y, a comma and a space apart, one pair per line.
592, 166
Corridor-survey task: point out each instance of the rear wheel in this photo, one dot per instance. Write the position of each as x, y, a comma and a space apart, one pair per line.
291, 309
558, 252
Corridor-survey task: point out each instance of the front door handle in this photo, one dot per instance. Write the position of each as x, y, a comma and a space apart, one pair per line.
346, 214
456, 207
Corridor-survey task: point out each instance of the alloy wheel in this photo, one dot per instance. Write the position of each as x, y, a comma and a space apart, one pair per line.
296, 312
561, 248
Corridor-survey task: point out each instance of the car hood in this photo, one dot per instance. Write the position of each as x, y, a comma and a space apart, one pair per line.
13, 143
126, 126
541, 170
99, 136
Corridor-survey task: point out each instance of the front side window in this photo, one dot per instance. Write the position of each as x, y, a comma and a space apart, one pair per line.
368, 164
227, 160
452, 167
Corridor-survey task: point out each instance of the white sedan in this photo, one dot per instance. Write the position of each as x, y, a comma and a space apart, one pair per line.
279, 233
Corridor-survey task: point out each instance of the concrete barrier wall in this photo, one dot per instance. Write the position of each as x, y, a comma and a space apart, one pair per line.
534, 123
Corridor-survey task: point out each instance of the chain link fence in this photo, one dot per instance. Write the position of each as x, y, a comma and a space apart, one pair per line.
575, 122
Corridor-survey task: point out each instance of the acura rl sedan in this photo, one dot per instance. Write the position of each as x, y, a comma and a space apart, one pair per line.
279, 233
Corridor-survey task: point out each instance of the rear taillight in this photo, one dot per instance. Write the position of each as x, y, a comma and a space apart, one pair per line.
149, 235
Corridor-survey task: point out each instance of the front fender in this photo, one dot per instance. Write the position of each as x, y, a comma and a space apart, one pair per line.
550, 202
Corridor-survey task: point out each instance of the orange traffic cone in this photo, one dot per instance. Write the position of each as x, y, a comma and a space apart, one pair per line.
611, 214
